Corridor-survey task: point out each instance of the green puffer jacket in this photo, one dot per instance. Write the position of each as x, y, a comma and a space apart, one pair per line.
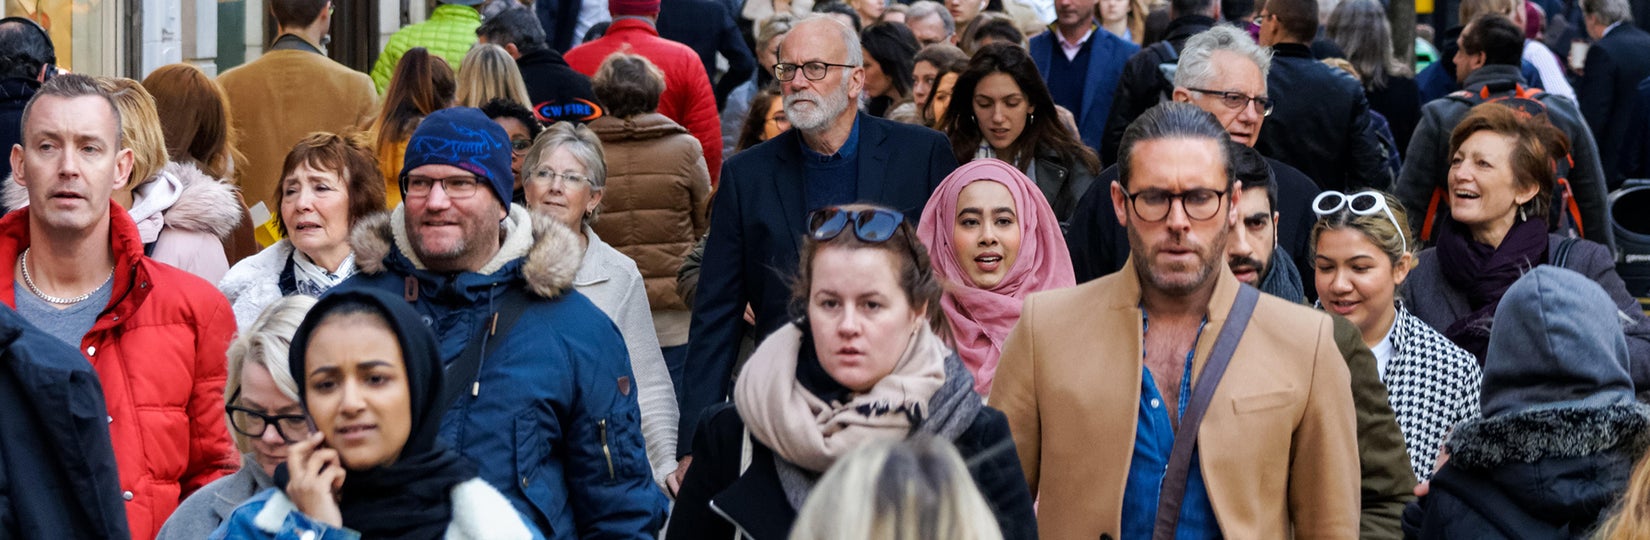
449, 33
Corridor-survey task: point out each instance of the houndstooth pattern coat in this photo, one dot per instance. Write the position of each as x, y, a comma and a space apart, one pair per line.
1432, 385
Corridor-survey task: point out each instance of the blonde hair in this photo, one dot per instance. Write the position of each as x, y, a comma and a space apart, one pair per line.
139, 126
897, 490
1390, 237
1631, 519
487, 73
266, 343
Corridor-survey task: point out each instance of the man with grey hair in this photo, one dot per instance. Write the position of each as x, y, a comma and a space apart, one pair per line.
833, 156
930, 22
1126, 354
1230, 69
1608, 92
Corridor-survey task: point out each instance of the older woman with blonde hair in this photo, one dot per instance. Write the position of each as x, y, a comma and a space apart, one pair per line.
182, 214
564, 178
488, 73
264, 416
897, 490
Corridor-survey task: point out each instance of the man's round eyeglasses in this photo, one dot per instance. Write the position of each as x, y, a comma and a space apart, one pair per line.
814, 71
1153, 205
291, 427
1239, 100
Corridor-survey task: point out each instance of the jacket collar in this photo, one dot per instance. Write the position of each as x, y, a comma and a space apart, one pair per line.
632, 24
1566, 432
249, 481
1493, 74
131, 279
1127, 298
455, 12
545, 56
537, 250
874, 154
294, 42
479, 512
1292, 50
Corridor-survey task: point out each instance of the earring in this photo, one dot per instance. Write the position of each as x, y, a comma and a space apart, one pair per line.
1521, 215
1030, 118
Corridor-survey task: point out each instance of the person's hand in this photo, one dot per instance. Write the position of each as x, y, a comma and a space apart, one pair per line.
673, 481
316, 476
1423, 488
750, 315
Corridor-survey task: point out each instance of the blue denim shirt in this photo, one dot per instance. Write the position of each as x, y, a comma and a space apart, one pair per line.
1153, 441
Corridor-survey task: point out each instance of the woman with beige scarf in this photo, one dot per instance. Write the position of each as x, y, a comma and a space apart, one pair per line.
860, 365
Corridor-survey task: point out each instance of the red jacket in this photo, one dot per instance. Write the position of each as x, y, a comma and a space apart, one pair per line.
688, 98
158, 349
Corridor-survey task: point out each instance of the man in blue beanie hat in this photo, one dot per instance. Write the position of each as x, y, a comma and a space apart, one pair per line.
540, 386
1561, 429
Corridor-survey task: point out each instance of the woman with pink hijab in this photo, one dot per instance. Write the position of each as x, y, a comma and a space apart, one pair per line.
994, 241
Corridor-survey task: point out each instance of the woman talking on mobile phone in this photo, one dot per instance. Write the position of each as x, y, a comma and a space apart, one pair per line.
370, 379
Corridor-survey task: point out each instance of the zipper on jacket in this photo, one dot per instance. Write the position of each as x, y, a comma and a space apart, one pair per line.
607, 452
739, 531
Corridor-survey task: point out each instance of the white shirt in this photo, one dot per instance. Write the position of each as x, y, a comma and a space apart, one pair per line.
1552, 76
1383, 351
1071, 48
591, 13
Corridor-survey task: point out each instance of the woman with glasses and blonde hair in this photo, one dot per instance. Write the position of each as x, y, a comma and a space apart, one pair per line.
659, 192
488, 73
906, 490
1361, 254
859, 365
264, 417
1501, 182
565, 181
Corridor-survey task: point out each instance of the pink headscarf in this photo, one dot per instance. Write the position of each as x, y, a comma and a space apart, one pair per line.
981, 318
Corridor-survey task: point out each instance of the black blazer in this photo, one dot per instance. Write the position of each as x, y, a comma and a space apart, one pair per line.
756, 228
1326, 132
1609, 90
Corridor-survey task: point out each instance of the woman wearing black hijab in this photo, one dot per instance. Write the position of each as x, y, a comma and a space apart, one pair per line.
370, 379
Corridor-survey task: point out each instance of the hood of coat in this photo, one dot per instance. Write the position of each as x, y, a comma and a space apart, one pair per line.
204, 204
636, 128
1563, 464
545, 253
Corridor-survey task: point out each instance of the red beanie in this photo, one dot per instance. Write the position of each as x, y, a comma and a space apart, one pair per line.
621, 8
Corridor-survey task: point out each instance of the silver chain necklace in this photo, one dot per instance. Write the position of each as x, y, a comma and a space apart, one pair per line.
29, 281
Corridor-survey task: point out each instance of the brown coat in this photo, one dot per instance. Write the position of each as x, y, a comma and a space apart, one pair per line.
1282, 457
283, 96
653, 208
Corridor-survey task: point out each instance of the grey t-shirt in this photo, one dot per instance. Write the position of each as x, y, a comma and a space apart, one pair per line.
69, 324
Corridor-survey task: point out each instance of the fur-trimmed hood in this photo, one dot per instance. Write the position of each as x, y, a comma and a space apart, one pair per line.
549, 253
204, 204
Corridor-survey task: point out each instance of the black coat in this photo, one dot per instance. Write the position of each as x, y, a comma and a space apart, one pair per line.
1609, 90
757, 223
1100, 246
1544, 474
708, 27
756, 500
1326, 133
57, 465
550, 80
1400, 102
1143, 82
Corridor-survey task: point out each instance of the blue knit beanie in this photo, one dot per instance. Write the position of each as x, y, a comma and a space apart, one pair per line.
463, 137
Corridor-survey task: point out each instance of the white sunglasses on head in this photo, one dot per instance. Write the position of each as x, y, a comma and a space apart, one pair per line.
1363, 203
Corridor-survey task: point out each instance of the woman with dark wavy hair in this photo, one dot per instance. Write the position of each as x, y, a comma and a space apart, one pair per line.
1009, 115
890, 52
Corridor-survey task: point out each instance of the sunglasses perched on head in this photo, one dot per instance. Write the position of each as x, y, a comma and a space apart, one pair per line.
1363, 203
875, 225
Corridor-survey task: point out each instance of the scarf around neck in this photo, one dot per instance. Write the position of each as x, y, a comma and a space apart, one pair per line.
1483, 273
981, 318
410, 498
311, 279
812, 432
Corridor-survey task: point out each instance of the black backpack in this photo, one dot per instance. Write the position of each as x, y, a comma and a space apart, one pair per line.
1565, 220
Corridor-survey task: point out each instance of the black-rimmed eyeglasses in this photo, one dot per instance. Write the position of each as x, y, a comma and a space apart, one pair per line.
814, 71
291, 427
1238, 100
1153, 205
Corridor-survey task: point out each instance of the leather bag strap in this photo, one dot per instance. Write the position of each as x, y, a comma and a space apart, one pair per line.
1173, 490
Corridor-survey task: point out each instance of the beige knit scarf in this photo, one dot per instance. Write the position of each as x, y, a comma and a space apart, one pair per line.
804, 429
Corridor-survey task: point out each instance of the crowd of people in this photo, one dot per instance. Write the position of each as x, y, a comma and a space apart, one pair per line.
979, 269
